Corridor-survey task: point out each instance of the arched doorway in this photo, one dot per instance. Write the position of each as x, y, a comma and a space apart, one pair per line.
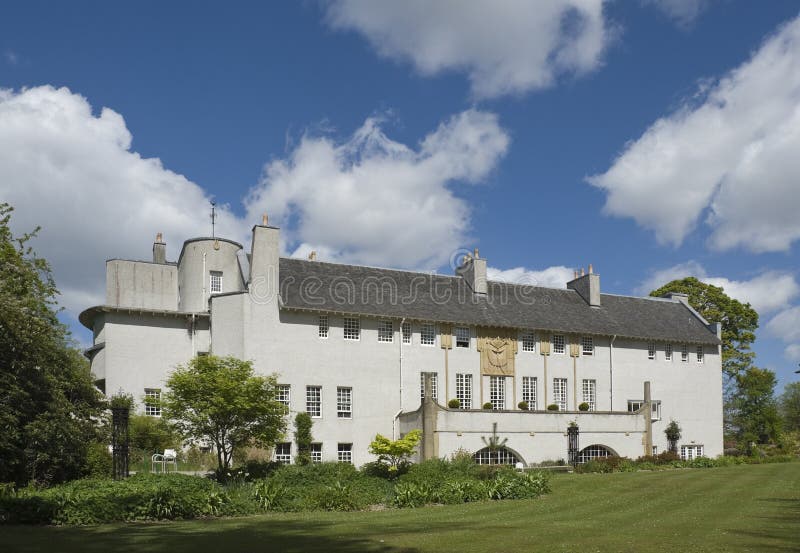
595, 451
496, 456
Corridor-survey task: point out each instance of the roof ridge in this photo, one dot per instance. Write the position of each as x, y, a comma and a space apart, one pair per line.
299, 259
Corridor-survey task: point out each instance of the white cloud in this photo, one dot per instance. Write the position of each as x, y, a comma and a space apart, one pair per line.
504, 46
792, 352
683, 12
766, 292
373, 200
73, 173
786, 325
551, 277
731, 150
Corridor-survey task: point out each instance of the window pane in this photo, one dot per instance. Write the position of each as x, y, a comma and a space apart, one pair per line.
529, 385
434, 385
344, 402
323, 326
427, 335
406, 327
588, 345
560, 393
345, 453
314, 400
352, 328
464, 390
385, 331
528, 341
590, 393
152, 397
283, 394
497, 392
462, 337
558, 343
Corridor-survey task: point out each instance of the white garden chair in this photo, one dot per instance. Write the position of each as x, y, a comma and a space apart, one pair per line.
163, 460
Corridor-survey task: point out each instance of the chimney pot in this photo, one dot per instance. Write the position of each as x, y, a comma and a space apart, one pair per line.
159, 250
582, 272
264, 219
159, 239
312, 256
477, 255
590, 268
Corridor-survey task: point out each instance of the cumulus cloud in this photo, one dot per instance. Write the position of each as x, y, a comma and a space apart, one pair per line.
504, 46
766, 292
73, 173
729, 152
792, 352
372, 200
786, 325
551, 277
683, 12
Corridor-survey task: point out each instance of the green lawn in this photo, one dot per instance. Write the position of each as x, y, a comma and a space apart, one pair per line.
743, 508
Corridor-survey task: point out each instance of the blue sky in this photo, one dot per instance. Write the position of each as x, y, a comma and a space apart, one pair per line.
653, 139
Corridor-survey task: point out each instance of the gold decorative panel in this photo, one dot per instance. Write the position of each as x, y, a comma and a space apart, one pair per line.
498, 348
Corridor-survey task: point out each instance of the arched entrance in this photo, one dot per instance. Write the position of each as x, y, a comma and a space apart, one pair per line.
595, 451
496, 456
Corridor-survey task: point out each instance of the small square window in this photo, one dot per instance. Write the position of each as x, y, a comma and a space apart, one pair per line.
588, 345
345, 453
700, 353
651, 350
283, 453
352, 328
316, 453
324, 326
462, 336
528, 341
215, 285
283, 394
559, 344
344, 402
668, 352
314, 401
406, 329
427, 335
385, 331
152, 402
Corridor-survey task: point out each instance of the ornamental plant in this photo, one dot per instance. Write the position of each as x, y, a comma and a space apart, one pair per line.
395, 453
454, 403
487, 405
583, 406
523, 405
552, 407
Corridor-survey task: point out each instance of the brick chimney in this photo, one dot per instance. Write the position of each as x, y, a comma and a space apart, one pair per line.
473, 271
587, 285
159, 250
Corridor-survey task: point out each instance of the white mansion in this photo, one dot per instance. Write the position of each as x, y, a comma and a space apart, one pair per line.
358, 348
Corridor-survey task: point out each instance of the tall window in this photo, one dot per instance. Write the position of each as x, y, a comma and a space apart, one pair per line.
323, 326
385, 331
497, 392
406, 329
152, 397
352, 328
344, 402
434, 385
283, 394
462, 336
464, 390
528, 341
316, 453
560, 393
283, 453
651, 350
684, 353
427, 335
345, 453
689, 452
314, 401
587, 343
590, 393
700, 354
216, 282
529, 392
559, 344
668, 352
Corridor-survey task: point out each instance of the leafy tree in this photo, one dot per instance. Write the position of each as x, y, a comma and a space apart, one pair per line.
302, 435
673, 434
221, 399
739, 320
395, 453
48, 402
148, 435
755, 409
789, 405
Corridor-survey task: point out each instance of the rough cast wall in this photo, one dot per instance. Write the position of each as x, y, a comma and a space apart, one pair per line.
140, 284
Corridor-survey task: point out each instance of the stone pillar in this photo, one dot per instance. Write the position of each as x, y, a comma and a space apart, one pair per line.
429, 449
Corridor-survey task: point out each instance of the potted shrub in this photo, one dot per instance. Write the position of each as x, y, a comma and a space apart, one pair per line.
552, 407
487, 405
583, 406
523, 405
454, 403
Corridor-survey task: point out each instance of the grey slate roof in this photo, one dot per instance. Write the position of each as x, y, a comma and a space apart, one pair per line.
369, 291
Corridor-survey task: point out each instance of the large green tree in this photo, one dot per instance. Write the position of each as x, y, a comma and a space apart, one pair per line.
220, 399
48, 403
789, 406
755, 411
739, 320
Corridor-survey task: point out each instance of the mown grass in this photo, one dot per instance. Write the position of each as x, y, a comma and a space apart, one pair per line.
742, 508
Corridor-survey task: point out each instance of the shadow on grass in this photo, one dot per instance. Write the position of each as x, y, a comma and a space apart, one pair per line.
248, 534
778, 530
